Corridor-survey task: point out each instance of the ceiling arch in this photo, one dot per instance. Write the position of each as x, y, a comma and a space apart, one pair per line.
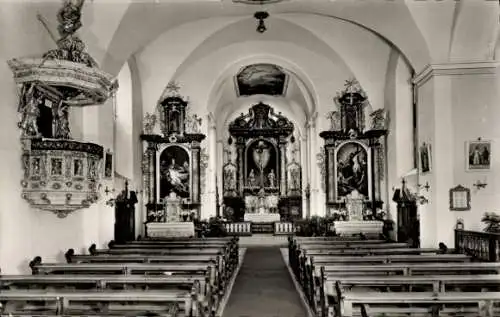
142, 23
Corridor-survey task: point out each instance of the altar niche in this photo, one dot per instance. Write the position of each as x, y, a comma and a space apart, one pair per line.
175, 172
256, 182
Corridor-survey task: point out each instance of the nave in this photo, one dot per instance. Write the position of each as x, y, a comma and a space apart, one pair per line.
228, 277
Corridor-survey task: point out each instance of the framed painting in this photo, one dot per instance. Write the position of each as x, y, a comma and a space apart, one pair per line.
425, 158
478, 154
265, 79
459, 198
108, 165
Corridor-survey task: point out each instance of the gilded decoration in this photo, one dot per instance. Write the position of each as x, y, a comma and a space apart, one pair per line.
60, 174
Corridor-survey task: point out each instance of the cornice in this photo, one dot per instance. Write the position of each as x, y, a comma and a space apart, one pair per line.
454, 69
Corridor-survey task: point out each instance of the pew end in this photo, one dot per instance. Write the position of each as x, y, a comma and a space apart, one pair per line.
92, 249
33, 264
69, 255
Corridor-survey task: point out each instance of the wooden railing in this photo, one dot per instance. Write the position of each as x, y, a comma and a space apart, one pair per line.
238, 228
483, 246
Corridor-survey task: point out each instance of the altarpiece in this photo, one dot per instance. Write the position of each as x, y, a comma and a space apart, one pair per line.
260, 184
354, 156
172, 160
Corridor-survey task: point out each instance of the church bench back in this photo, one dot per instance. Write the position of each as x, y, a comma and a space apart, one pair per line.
63, 301
394, 258
429, 299
362, 252
394, 245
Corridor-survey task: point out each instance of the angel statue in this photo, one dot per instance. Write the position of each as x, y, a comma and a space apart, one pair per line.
69, 17
378, 119
334, 117
193, 124
149, 123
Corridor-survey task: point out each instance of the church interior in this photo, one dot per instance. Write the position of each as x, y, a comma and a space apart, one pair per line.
182, 152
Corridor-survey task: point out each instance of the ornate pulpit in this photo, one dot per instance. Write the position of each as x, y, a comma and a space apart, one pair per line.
354, 157
172, 166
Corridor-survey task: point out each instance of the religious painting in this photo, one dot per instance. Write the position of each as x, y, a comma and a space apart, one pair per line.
108, 165
261, 165
478, 155
352, 169
265, 79
174, 172
425, 158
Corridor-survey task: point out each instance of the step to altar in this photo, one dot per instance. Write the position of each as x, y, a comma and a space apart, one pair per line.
259, 227
263, 239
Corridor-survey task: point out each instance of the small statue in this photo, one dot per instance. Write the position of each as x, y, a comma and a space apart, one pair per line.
149, 123
30, 112
272, 179
251, 178
62, 123
193, 124
378, 119
69, 17
334, 117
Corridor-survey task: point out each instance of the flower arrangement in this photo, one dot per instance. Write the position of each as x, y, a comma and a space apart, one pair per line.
492, 221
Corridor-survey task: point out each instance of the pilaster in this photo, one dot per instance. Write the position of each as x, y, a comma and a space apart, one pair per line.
456, 103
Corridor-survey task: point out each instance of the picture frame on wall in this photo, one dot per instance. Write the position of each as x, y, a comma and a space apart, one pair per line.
460, 198
425, 158
478, 155
108, 165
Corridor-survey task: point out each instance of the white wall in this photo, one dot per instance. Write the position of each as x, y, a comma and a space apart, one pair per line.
24, 231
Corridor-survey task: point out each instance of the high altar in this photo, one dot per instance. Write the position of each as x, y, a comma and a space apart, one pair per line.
171, 166
261, 181
354, 161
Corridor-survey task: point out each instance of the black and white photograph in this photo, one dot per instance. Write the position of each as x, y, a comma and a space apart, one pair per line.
249, 158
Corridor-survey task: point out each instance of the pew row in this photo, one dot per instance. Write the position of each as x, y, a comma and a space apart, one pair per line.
173, 303
432, 304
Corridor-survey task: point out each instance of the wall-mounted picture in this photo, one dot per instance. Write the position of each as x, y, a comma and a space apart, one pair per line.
425, 158
478, 155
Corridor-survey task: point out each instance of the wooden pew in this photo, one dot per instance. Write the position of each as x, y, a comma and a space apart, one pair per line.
311, 281
63, 302
361, 252
229, 256
199, 284
225, 269
215, 280
432, 303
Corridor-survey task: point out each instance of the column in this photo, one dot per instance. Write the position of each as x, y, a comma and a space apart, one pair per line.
240, 149
283, 163
317, 193
209, 208
304, 164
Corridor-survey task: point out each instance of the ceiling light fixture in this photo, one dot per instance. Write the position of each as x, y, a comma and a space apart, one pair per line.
261, 16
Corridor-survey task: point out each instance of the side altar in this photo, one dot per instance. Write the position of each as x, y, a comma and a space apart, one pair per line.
171, 166
355, 162
261, 183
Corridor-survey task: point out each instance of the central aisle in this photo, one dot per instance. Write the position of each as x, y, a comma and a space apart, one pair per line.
263, 287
